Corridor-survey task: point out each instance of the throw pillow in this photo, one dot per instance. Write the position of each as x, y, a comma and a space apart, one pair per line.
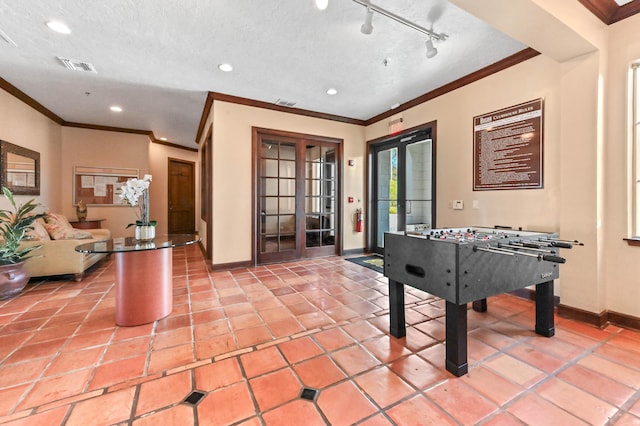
58, 219
59, 233
38, 233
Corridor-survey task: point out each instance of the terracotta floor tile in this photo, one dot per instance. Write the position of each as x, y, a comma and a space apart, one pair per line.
210, 329
534, 410
344, 404
226, 406
500, 391
635, 408
216, 345
9, 397
502, 419
417, 371
621, 355
77, 360
416, 410
89, 340
462, 401
166, 359
362, 330
245, 321
208, 315
176, 415
515, 370
536, 358
37, 350
577, 402
386, 348
435, 354
627, 420
300, 349
106, 409
24, 372
354, 359
273, 389
218, 375
127, 349
252, 336
55, 388
276, 314
286, 327
597, 384
163, 392
384, 386
613, 370
298, 412
118, 371
313, 320
318, 372
332, 339
262, 361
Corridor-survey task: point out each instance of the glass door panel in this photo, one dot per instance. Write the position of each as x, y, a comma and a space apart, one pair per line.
277, 177
320, 196
418, 183
386, 193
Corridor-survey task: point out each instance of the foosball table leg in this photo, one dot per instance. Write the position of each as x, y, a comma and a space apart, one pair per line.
397, 327
544, 309
456, 347
480, 305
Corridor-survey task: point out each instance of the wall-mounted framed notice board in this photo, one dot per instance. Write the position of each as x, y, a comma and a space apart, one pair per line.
100, 186
508, 148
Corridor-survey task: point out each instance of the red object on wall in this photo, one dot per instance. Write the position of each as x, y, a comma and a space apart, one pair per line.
359, 220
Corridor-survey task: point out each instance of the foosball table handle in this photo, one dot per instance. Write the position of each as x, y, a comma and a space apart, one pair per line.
554, 259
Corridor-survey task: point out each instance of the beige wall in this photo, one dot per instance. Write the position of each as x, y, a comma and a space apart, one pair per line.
22, 125
159, 162
232, 185
98, 148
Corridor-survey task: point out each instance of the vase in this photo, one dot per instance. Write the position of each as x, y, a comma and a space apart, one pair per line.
81, 211
13, 278
145, 232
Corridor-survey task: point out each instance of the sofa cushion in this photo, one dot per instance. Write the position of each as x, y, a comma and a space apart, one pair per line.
38, 233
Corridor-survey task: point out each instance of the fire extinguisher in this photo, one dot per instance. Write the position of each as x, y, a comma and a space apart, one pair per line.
359, 220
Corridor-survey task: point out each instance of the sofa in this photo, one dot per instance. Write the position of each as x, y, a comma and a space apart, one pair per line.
57, 255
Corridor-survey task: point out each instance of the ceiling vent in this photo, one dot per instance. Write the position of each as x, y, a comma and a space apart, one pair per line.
282, 102
6, 38
77, 65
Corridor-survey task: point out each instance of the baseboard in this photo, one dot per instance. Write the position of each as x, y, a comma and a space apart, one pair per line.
599, 320
352, 252
623, 320
232, 265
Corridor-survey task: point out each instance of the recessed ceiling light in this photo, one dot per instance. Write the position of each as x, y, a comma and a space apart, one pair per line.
332, 91
394, 106
59, 27
116, 108
322, 4
225, 67
163, 139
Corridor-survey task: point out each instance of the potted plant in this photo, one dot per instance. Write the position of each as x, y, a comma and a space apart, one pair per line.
136, 194
14, 225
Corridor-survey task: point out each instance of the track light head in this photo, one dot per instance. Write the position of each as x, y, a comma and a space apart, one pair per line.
367, 27
431, 51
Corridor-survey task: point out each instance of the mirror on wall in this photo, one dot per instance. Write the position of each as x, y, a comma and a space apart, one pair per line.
19, 169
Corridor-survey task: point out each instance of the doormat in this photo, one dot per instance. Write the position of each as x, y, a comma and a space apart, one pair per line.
374, 262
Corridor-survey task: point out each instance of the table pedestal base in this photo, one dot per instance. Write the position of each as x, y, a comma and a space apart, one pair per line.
144, 286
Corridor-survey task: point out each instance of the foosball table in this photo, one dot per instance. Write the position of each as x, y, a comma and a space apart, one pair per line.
465, 265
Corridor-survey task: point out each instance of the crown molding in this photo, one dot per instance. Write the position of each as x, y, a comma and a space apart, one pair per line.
609, 12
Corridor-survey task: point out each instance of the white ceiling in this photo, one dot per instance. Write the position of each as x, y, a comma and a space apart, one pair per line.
157, 59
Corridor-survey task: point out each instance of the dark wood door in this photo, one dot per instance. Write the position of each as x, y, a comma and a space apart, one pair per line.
181, 197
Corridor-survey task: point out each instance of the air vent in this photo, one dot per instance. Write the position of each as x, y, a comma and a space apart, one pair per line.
282, 102
77, 65
6, 38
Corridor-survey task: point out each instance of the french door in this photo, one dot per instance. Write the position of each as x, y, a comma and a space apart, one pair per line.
297, 196
403, 185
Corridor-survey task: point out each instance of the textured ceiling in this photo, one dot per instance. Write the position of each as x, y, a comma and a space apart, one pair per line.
158, 59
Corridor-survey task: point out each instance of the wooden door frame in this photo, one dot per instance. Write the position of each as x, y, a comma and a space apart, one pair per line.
193, 176
206, 199
370, 243
256, 133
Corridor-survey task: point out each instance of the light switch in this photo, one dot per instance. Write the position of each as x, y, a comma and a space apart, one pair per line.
458, 204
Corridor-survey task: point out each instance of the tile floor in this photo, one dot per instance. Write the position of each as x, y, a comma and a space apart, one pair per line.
251, 340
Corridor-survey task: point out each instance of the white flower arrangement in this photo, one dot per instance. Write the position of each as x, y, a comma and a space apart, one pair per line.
136, 194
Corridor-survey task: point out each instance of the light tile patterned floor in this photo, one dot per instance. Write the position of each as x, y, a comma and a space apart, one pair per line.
251, 340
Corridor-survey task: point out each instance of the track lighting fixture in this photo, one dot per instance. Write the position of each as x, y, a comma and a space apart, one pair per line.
431, 51
367, 27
